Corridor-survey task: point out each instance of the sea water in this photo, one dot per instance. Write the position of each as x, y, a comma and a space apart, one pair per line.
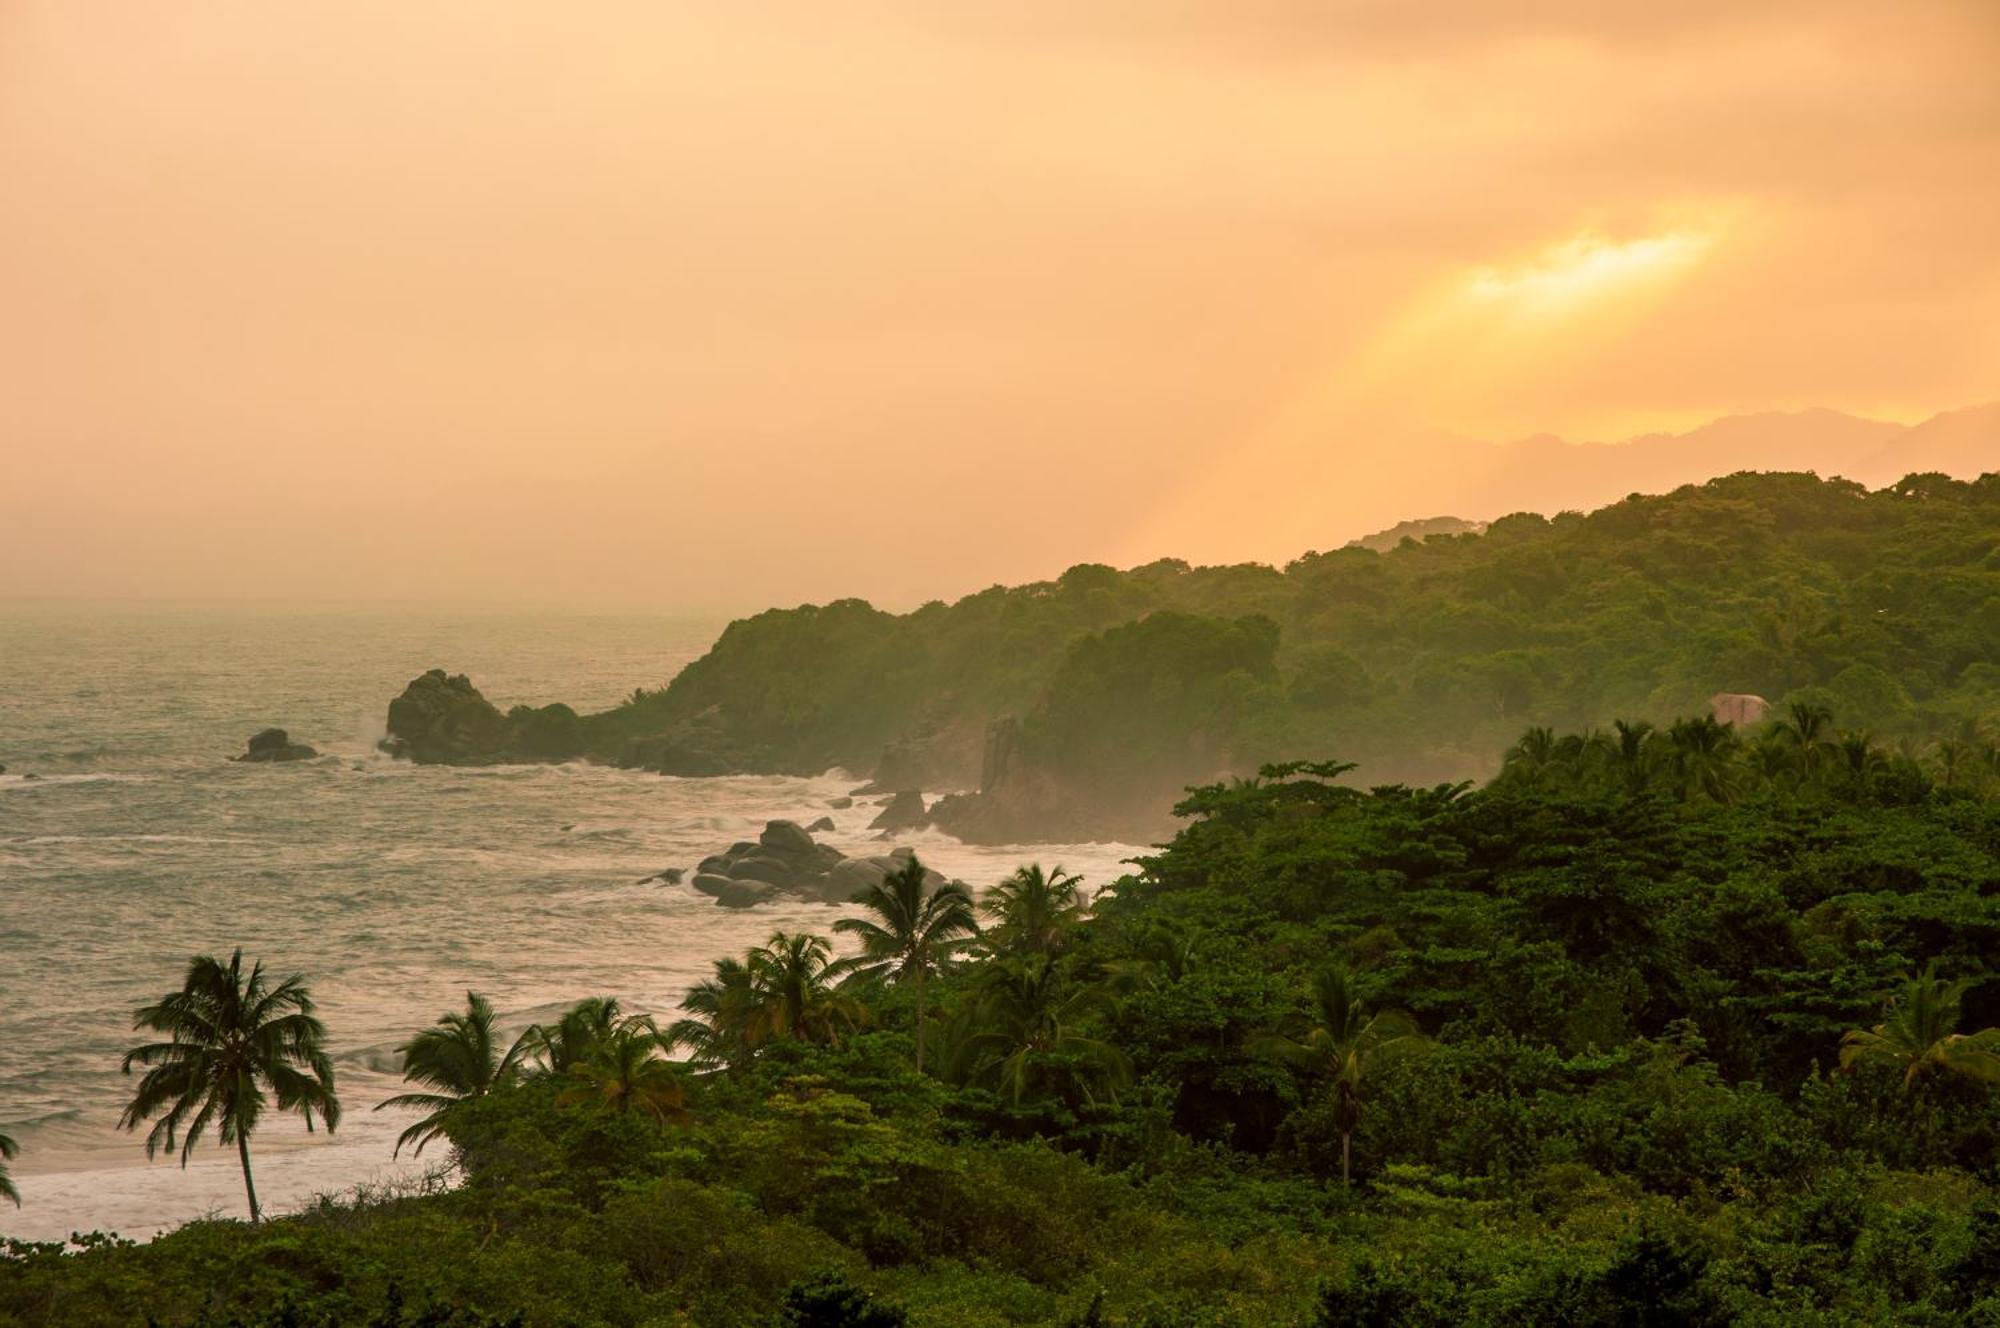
393, 888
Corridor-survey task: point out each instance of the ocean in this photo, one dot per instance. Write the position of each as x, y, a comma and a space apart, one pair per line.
129, 842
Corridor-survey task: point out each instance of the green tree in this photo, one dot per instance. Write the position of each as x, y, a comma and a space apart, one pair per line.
9, 1150
1920, 1036
457, 1059
792, 975
626, 1071
234, 1042
1701, 753
1021, 1035
1346, 1042
1034, 911
1808, 728
913, 931
723, 1026
571, 1038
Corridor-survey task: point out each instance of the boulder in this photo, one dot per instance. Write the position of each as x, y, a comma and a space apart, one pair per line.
717, 864
787, 837
671, 876
826, 857
746, 894
821, 826
904, 812
710, 884
276, 745
838, 804
1739, 708
852, 877
772, 871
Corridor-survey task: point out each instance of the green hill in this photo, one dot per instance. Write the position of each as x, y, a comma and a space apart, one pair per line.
1081, 706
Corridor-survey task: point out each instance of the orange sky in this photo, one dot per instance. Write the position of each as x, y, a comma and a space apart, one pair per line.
719, 304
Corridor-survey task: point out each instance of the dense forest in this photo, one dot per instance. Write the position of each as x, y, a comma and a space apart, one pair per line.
1688, 1026
1079, 707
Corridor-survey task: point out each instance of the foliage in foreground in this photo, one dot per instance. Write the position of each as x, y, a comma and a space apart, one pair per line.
1595, 1051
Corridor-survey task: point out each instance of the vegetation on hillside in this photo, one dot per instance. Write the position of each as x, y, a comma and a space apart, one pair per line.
1686, 1026
1114, 689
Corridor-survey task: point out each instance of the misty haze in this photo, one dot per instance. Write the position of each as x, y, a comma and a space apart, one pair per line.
1159, 665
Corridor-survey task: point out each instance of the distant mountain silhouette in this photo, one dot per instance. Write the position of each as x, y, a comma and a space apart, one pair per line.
1546, 474
1961, 443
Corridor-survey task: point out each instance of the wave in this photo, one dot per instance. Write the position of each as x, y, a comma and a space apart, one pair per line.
31, 780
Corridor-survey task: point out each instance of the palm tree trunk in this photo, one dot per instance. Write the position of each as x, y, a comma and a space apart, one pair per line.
920, 1021
1346, 1159
249, 1187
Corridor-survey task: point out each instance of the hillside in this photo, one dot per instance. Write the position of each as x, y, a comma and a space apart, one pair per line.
1079, 707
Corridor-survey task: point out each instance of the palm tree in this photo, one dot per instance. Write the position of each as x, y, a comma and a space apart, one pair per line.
914, 930
1033, 911
1020, 1035
1529, 758
1632, 752
568, 1041
1857, 755
1809, 730
459, 1059
792, 976
626, 1071
1346, 1043
9, 1150
1700, 750
230, 1036
723, 1017
1919, 1035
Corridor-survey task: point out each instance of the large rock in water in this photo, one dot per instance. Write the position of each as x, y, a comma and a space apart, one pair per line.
443, 720
275, 745
786, 864
904, 812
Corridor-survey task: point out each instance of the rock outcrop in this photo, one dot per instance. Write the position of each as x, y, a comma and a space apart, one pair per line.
785, 863
1739, 708
276, 745
443, 720
905, 811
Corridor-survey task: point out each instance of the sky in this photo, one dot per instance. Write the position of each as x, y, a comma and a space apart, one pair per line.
715, 305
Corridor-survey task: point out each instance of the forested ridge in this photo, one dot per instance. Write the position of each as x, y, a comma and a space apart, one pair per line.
1662, 1026
1084, 704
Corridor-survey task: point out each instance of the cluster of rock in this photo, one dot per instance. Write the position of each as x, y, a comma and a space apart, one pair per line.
786, 863
441, 719
276, 745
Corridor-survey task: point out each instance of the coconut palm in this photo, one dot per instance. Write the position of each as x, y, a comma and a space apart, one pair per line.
722, 1027
9, 1150
1346, 1043
1528, 759
1919, 1036
554, 1048
1019, 1036
1808, 729
792, 975
1632, 751
914, 930
626, 1072
234, 1041
1034, 911
1700, 752
458, 1059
